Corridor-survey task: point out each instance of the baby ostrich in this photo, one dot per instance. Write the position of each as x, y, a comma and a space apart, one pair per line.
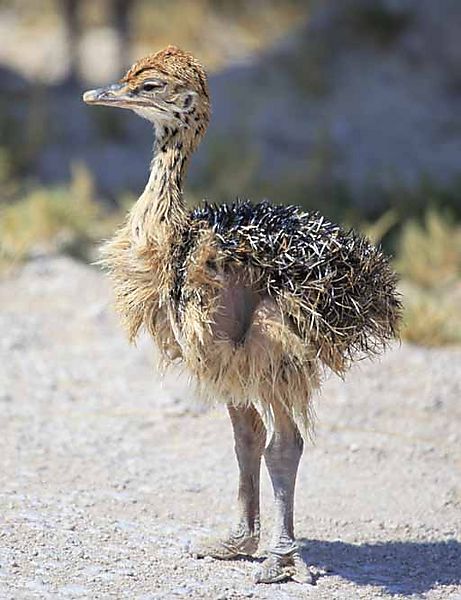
254, 299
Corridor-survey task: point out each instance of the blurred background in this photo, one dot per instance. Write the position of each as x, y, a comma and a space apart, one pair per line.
350, 107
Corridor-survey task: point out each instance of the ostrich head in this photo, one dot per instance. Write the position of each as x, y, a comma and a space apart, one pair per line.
169, 89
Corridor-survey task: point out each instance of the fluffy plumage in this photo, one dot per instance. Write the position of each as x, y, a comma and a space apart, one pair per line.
336, 287
325, 297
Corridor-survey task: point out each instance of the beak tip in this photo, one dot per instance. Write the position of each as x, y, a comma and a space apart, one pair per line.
90, 96
112, 95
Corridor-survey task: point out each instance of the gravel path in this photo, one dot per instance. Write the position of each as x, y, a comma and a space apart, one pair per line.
107, 473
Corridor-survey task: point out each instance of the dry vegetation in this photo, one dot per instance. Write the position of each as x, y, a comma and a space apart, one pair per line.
49, 220
427, 252
429, 260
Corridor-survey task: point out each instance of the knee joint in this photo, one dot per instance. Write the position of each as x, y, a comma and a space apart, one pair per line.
281, 444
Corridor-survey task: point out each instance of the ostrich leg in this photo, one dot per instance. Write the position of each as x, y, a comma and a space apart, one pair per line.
250, 439
282, 457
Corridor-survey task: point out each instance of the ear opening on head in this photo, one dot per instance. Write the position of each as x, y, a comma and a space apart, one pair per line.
189, 101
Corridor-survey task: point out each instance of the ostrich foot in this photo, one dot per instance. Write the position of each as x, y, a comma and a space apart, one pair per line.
236, 544
278, 567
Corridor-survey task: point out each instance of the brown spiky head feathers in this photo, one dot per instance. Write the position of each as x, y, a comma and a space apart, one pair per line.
169, 88
171, 66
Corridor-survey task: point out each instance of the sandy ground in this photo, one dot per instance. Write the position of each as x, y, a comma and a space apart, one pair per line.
108, 474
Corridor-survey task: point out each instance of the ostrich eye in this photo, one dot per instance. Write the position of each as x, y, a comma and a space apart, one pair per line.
150, 86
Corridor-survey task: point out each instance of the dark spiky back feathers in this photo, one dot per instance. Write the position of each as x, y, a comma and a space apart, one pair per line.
336, 288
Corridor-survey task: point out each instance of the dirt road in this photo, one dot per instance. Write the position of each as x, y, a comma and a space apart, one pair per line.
107, 474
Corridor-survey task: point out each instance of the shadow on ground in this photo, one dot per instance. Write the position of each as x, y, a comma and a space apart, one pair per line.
404, 568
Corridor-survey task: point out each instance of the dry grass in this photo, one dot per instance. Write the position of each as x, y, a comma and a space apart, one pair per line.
51, 220
378, 229
428, 253
431, 318
429, 260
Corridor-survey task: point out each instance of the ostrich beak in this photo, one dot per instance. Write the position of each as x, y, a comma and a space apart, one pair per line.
116, 94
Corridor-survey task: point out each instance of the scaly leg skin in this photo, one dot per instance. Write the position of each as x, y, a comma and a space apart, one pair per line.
250, 439
282, 457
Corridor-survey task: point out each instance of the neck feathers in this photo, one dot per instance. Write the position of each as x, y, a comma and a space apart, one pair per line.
160, 211
161, 206
165, 185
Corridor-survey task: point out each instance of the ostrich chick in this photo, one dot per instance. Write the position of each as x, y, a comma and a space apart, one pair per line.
256, 300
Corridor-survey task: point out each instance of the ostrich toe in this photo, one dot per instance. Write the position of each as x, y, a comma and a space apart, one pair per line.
279, 567
236, 544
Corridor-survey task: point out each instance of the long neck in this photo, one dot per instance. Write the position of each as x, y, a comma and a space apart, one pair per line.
160, 209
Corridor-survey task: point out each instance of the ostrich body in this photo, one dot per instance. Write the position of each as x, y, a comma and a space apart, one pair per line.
254, 299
